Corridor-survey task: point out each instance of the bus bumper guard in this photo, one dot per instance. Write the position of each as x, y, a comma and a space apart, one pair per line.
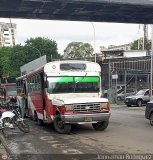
85, 118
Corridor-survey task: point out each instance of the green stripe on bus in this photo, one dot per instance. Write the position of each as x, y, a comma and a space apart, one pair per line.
77, 79
86, 79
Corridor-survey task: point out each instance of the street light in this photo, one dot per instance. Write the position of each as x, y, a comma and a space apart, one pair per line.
94, 40
35, 49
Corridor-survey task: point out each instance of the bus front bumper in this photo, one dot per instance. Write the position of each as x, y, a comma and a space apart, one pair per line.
86, 118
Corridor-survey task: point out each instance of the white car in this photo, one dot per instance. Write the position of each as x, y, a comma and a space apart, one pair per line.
121, 96
142, 97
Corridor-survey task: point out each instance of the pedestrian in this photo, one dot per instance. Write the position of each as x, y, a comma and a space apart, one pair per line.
21, 103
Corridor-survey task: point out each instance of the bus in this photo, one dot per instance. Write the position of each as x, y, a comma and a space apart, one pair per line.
64, 93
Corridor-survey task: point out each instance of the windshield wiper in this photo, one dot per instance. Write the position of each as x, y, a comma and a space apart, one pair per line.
81, 79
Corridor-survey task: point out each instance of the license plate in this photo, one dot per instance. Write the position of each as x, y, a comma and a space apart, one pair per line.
88, 119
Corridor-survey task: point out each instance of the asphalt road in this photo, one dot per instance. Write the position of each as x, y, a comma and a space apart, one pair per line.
128, 133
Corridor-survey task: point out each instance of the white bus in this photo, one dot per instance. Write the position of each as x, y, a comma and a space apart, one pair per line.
66, 92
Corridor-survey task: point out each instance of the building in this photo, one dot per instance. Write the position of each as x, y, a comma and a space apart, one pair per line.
8, 34
119, 48
125, 47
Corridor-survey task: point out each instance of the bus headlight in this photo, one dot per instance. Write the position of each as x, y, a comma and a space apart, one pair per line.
105, 106
69, 107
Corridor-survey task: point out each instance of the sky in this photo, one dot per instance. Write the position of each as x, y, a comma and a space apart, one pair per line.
64, 32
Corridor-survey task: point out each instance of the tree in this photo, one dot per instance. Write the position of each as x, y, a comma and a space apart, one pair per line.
4, 62
139, 42
78, 50
43, 46
17, 59
12, 58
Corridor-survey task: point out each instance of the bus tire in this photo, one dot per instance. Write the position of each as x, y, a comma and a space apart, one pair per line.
60, 126
100, 126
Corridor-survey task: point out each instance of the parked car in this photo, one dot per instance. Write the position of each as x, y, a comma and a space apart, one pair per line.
149, 112
121, 96
120, 88
7, 91
141, 97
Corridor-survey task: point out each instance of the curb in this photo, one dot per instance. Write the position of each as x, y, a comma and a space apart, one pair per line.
134, 108
4, 144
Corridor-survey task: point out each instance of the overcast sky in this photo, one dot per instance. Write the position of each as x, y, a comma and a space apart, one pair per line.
64, 32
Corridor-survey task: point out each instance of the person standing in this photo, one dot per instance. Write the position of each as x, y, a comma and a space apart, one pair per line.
21, 103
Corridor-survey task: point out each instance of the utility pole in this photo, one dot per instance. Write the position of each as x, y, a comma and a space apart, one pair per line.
94, 34
151, 65
139, 37
145, 38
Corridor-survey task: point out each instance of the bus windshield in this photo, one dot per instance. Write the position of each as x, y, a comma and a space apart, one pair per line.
73, 84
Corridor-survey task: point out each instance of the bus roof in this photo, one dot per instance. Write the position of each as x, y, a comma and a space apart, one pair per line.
72, 65
55, 66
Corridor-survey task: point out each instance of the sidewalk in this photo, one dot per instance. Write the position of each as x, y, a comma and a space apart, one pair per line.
114, 105
4, 150
3, 153
123, 106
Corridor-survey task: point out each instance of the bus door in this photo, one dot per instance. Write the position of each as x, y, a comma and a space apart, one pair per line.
25, 96
43, 101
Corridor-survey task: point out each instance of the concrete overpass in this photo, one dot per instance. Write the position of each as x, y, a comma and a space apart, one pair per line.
124, 11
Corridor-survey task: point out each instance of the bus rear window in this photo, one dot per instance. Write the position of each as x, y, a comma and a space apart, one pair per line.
72, 66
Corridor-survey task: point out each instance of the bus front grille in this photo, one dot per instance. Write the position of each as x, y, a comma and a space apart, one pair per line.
87, 107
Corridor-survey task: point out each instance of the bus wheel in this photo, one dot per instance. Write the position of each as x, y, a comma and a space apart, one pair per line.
100, 126
60, 126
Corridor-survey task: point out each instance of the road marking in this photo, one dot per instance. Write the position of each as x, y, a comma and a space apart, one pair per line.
59, 146
47, 138
52, 142
72, 151
56, 144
